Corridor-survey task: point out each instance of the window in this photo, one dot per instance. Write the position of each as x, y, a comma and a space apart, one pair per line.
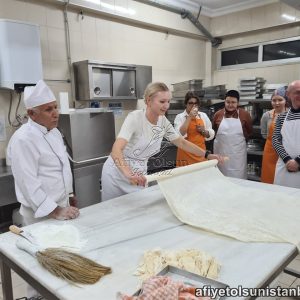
281, 50
260, 55
240, 56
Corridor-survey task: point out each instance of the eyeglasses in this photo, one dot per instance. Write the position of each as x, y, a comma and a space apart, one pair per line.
192, 103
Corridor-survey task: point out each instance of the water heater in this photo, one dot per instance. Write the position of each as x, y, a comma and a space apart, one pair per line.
20, 54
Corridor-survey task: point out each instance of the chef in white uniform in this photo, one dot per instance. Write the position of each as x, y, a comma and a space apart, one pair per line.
233, 126
140, 138
286, 141
39, 161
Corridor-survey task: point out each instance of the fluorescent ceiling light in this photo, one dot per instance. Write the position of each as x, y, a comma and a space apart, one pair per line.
289, 17
94, 1
116, 8
287, 53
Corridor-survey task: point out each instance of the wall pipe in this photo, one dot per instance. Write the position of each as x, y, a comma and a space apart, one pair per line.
185, 14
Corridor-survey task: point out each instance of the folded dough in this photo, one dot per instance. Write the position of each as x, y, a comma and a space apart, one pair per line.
191, 260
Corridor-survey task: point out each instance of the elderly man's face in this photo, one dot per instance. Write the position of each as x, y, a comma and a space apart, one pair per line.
294, 94
46, 115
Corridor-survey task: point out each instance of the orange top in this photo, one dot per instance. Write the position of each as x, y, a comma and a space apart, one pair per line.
185, 158
270, 157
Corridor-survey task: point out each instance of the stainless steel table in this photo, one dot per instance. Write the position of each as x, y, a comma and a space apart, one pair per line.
120, 230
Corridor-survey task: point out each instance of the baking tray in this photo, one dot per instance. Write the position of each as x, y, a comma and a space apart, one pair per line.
178, 94
189, 278
192, 85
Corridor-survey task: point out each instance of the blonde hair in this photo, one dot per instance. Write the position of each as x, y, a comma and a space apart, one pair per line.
153, 88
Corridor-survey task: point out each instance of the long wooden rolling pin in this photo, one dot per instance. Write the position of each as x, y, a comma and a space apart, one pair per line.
182, 170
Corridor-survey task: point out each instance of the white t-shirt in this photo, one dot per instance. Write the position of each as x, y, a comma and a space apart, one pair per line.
180, 119
136, 124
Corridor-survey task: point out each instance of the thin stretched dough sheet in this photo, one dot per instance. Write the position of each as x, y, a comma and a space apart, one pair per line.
206, 199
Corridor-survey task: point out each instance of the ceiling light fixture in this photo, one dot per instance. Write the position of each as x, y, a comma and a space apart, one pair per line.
116, 8
289, 17
287, 53
94, 1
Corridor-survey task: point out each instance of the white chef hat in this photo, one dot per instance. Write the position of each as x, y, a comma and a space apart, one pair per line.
38, 95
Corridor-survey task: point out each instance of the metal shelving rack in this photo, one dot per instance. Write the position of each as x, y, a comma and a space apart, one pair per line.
257, 110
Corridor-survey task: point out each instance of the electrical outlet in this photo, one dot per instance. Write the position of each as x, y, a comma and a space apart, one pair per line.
116, 108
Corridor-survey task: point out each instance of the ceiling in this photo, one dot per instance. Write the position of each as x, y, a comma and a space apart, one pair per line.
213, 8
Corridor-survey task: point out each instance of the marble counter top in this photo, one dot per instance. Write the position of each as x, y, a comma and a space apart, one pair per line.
120, 230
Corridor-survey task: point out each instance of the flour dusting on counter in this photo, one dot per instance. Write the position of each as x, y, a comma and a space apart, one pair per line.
54, 236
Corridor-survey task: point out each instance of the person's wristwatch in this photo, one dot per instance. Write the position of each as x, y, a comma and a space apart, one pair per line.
207, 152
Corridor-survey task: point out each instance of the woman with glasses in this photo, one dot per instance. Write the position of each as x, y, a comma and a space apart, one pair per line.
195, 127
233, 126
267, 125
140, 138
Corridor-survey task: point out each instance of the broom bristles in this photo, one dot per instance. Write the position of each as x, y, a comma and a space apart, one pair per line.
71, 266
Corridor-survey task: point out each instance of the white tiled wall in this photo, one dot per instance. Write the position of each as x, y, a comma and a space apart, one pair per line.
261, 24
174, 58
103, 37
261, 17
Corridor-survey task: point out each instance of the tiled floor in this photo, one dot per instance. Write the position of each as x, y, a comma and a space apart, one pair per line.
19, 286
284, 280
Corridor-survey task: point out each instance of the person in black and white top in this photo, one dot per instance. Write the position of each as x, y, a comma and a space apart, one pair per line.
286, 141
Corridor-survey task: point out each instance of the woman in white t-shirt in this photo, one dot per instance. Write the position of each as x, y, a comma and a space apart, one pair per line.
140, 138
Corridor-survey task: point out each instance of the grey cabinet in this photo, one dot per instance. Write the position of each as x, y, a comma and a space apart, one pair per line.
87, 183
101, 83
89, 137
106, 81
124, 83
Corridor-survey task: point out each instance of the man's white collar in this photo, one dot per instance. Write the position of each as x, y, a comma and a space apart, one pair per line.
40, 127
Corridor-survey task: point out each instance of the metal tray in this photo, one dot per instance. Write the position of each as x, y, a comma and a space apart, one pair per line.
181, 94
192, 85
189, 279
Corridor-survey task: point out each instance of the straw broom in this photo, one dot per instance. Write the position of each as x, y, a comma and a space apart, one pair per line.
65, 264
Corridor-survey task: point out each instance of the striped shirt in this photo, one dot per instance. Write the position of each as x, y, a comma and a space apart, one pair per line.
292, 114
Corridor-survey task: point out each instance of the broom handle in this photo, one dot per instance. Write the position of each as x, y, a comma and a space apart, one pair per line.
30, 248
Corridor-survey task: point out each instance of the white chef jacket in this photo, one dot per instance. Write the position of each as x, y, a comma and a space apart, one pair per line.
180, 118
41, 169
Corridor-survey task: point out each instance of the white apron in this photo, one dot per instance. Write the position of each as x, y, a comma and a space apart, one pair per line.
230, 141
114, 183
290, 132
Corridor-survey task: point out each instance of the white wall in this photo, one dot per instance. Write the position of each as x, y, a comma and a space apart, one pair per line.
149, 40
252, 26
103, 37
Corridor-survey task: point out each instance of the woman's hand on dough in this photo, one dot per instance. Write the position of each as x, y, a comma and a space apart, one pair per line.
136, 178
